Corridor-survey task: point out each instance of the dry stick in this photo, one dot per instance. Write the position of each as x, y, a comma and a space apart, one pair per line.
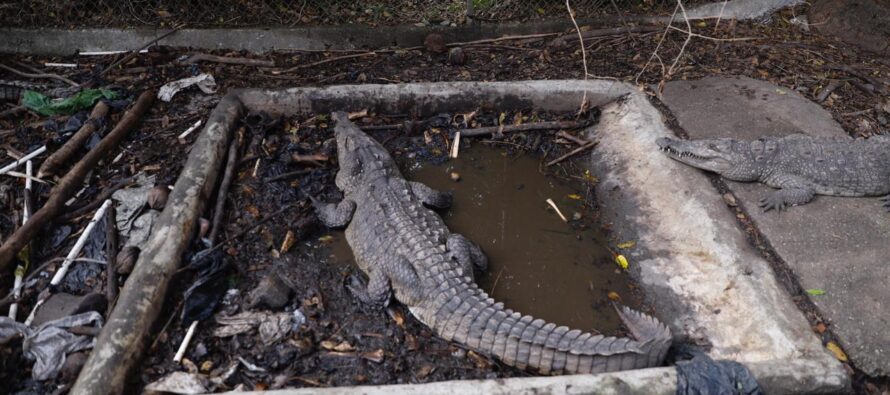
105, 194
71, 182
20, 161
525, 127
657, 47
823, 94
203, 57
572, 138
111, 256
217, 224
685, 43
320, 62
57, 159
615, 31
288, 175
571, 153
583, 106
133, 54
40, 75
20, 270
75, 251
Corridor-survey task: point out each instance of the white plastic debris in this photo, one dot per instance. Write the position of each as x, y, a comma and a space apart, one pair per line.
204, 81
50, 343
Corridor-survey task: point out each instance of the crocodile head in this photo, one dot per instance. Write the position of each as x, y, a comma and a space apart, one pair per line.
362, 159
728, 157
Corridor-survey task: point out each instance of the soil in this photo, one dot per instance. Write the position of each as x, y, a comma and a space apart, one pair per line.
780, 51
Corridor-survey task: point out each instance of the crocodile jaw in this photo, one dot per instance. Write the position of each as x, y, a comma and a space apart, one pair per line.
700, 154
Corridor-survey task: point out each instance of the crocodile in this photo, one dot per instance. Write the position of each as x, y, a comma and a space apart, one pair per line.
409, 254
800, 166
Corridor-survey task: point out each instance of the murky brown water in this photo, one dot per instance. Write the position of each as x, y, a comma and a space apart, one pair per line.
538, 264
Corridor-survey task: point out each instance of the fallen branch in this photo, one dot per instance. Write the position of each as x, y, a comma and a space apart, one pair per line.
224, 187
133, 54
328, 60
203, 57
111, 257
55, 161
75, 251
105, 194
39, 75
572, 153
525, 127
71, 182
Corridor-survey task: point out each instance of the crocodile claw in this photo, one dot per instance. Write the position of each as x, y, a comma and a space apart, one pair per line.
772, 203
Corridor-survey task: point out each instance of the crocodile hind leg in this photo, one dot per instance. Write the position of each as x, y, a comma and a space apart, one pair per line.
466, 253
375, 292
334, 215
430, 196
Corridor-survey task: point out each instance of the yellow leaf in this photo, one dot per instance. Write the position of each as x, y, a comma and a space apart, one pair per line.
590, 177
325, 238
621, 261
574, 196
702, 24
613, 296
836, 350
627, 244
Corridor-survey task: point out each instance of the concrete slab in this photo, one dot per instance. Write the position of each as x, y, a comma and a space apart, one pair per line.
835, 244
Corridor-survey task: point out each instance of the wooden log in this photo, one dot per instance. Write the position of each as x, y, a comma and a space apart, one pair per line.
54, 162
122, 342
72, 182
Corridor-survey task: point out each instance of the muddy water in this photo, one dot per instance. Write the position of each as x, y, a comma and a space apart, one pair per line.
538, 264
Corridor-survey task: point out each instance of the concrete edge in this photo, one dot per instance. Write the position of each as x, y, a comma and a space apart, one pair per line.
117, 349
63, 42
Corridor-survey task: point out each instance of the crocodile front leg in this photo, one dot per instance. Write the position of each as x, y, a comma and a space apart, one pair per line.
466, 253
793, 192
334, 215
430, 196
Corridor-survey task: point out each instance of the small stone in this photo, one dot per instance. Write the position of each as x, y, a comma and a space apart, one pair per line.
729, 199
455, 176
157, 197
126, 259
271, 292
435, 43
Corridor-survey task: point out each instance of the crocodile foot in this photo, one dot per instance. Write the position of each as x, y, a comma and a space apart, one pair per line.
374, 294
886, 200
773, 202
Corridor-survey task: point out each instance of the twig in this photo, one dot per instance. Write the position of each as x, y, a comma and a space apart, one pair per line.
185, 342
574, 139
583, 107
328, 60
75, 251
552, 204
133, 54
525, 127
455, 145
105, 194
21, 270
188, 131
826, 91
224, 187
495, 285
40, 75
72, 181
287, 175
571, 153
55, 161
690, 33
657, 47
615, 31
111, 256
685, 43
203, 57
18, 162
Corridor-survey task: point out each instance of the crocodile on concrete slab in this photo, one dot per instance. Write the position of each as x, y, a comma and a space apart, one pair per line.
800, 166
407, 252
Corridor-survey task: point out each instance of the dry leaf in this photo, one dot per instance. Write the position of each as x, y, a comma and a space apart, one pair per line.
289, 240
837, 351
373, 356
480, 361
613, 296
622, 262
627, 244
339, 347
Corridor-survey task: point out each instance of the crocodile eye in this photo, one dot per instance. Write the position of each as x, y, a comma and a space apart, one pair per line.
712, 146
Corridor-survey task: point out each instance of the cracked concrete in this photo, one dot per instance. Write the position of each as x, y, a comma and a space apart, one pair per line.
834, 244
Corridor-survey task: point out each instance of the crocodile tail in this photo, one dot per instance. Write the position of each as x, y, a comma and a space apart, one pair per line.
470, 317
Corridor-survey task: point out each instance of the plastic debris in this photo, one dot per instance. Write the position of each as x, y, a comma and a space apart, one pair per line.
84, 99
272, 326
702, 375
50, 343
180, 383
204, 82
208, 289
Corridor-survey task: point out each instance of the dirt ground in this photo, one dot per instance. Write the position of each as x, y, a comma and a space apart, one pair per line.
342, 343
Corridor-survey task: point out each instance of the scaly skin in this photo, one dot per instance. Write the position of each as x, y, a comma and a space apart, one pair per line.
407, 251
800, 166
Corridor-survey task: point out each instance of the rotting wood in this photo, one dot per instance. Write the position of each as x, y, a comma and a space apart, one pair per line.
203, 57
111, 257
57, 159
123, 339
525, 127
72, 182
220, 207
